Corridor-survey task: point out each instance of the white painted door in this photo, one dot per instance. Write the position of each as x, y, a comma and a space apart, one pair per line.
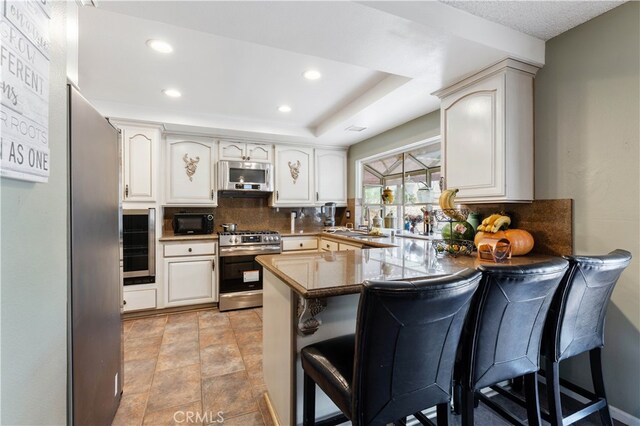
232, 151
139, 157
259, 152
294, 176
474, 139
190, 165
138, 300
190, 280
331, 176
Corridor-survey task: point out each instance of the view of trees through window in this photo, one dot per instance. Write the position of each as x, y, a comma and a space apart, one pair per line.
398, 189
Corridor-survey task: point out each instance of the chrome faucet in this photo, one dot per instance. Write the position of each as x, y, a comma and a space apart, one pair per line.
367, 217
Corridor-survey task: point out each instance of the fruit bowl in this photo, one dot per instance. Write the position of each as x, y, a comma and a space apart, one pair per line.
452, 247
448, 215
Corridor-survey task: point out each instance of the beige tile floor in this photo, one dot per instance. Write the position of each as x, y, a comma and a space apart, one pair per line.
205, 363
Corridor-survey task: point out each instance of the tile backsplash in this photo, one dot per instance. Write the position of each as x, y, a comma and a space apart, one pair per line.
255, 214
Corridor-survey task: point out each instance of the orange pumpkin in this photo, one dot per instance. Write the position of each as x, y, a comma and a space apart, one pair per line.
521, 240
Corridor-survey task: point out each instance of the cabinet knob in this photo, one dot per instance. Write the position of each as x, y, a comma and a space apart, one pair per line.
327, 245
213, 265
300, 244
190, 249
248, 158
124, 302
126, 190
244, 158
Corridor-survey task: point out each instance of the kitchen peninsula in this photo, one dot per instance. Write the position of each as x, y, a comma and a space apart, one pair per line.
313, 297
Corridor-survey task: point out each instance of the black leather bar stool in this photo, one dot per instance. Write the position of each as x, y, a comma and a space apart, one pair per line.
502, 335
401, 358
576, 324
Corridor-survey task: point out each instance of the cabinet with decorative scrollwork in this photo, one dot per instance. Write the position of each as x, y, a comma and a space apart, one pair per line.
190, 171
294, 185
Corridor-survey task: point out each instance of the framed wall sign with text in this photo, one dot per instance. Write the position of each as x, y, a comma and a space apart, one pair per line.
24, 81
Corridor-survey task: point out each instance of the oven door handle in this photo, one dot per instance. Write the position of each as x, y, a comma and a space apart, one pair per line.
152, 242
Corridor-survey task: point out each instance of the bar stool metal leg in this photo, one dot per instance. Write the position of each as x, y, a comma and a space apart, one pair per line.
309, 402
595, 359
401, 422
443, 414
467, 408
531, 397
552, 375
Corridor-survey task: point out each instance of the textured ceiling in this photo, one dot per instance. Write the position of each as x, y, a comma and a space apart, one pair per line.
541, 19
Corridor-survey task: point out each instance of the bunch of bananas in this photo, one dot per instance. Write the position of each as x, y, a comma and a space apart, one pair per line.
494, 223
446, 204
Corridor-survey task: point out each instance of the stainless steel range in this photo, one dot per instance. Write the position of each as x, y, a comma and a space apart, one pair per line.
240, 275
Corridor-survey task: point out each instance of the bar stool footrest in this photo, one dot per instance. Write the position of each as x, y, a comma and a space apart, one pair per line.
423, 419
586, 410
332, 421
506, 414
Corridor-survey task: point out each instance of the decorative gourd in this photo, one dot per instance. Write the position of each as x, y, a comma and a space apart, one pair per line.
521, 240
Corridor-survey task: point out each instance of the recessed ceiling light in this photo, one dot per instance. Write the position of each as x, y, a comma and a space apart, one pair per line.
355, 128
172, 93
312, 74
160, 46
284, 108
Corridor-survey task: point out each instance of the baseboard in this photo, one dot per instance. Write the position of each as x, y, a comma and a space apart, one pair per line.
272, 412
616, 413
165, 311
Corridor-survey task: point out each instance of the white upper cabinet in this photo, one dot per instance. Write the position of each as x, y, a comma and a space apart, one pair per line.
140, 149
240, 151
487, 134
331, 176
259, 152
294, 176
189, 165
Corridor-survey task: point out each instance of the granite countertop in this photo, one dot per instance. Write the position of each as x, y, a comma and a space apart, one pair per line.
168, 236
317, 275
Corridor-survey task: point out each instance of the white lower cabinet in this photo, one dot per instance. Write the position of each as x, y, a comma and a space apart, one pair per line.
190, 273
328, 245
290, 244
138, 300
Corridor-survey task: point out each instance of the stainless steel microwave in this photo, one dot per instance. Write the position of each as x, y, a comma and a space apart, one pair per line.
245, 176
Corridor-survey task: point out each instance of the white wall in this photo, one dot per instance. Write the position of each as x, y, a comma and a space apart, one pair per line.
587, 148
33, 251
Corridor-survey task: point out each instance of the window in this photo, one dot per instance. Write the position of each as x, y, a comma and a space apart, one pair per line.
398, 188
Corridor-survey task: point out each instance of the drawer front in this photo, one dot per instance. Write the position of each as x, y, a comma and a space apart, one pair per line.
139, 299
347, 247
188, 248
299, 243
328, 245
